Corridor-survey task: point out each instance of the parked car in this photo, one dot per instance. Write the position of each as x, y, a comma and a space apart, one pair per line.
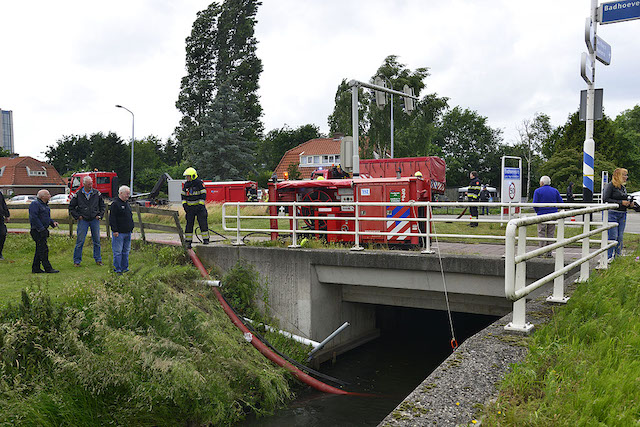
21, 200
60, 199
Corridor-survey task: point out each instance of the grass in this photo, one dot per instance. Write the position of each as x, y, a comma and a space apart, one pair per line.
583, 368
153, 347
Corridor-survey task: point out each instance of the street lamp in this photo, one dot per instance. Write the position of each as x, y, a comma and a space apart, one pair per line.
133, 123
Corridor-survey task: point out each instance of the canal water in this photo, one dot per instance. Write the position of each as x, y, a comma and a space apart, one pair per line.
412, 344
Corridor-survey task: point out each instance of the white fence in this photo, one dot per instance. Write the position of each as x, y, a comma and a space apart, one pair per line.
515, 231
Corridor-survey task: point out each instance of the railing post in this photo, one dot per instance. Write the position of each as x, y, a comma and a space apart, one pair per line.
604, 258
140, 224
238, 241
584, 267
558, 282
427, 246
356, 246
518, 322
294, 223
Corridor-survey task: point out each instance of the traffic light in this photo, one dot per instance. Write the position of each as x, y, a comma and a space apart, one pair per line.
409, 103
381, 97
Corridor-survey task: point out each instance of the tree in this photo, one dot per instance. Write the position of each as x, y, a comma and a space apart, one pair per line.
294, 172
340, 119
468, 143
534, 134
218, 97
5, 153
278, 141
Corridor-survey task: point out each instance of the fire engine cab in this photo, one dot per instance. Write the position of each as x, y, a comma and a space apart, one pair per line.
341, 218
105, 182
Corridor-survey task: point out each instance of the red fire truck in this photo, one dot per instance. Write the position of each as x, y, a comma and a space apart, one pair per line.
105, 182
341, 218
232, 191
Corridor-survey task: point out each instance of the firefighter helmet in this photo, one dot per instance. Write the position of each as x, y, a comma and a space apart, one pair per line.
418, 174
190, 172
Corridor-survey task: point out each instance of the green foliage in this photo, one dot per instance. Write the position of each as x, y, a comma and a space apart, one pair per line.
278, 141
242, 289
149, 348
294, 172
4, 153
582, 367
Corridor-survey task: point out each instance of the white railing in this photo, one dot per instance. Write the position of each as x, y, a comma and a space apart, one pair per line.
516, 231
516, 258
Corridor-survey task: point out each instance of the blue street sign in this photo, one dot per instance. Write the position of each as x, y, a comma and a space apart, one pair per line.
617, 11
511, 173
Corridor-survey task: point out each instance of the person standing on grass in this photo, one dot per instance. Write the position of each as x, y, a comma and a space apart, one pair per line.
87, 207
121, 223
616, 192
40, 220
4, 216
546, 194
473, 192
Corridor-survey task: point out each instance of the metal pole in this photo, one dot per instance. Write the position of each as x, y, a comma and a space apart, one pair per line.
391, 124
326, 340
354, 124
589, 144
133, 125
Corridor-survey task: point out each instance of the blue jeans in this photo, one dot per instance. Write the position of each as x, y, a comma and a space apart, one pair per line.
617, 233
83, 227
121, 246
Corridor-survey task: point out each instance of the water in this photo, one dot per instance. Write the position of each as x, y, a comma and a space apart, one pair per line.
412, 344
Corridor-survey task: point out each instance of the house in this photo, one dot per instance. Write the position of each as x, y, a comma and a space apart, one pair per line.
309, 156
26, 175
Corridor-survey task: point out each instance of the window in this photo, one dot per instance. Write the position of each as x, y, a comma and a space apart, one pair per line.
324, 160
36, 172
75, 183
102, 180
2, 170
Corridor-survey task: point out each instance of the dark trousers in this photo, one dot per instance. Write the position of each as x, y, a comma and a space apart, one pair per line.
42, 251
192, 213
3, 235
474, 213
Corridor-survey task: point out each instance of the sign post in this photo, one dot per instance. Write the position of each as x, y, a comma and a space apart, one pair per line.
510, 186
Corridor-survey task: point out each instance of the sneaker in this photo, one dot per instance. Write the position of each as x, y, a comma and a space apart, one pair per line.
77, 264
610, 260
99, 263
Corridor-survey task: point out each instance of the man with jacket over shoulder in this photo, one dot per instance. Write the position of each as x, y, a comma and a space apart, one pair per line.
4, 217
87, 207
40, 220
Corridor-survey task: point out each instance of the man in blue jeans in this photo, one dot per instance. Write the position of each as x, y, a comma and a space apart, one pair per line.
87, 207
121, 223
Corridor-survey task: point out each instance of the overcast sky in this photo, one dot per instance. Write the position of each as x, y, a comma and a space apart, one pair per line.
65, 65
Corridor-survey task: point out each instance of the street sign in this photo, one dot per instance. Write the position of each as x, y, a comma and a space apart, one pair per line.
586, 68
618, 11
589, 35
603, 51
598, 111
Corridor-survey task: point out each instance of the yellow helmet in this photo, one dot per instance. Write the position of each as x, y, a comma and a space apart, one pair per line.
190, 172
418, 174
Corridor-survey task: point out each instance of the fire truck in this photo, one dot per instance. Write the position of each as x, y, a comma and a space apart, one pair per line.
368, 189
105, 182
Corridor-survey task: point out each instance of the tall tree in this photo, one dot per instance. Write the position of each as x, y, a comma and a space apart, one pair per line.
222, 68
340, 118
533, 136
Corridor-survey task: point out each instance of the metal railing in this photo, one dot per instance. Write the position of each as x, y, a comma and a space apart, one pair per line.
515, 231
515, 258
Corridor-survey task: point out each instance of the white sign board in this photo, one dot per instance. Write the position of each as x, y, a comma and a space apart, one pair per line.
511, 185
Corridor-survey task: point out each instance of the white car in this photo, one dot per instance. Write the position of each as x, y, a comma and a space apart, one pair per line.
60, 199
21, 200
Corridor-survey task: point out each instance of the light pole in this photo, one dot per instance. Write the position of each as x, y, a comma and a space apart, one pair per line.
390, 87
133, 124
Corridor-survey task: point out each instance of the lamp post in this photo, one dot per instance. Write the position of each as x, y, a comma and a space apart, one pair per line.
382, 76
133, 123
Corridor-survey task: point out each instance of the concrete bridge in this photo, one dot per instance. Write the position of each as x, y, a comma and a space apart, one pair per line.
312, 292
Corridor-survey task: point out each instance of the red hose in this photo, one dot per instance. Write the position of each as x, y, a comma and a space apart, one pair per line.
261, 347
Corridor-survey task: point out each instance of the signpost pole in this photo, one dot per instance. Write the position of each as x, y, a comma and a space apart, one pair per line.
589, 144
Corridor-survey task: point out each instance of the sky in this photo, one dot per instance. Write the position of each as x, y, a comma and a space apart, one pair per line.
65, 65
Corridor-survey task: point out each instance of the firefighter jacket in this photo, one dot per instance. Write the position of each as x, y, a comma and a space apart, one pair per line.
88, 206
474, 189
4, 210
193, 193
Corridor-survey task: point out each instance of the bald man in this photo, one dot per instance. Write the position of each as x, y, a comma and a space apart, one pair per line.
40, 220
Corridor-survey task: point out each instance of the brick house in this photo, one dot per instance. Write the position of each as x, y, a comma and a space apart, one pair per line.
309, 156
26, 175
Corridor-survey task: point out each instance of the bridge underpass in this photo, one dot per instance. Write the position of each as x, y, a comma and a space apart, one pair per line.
312, 292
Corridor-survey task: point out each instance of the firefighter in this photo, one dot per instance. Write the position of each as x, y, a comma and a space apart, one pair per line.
194, 196
472, 195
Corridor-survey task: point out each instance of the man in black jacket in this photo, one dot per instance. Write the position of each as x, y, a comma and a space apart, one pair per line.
194, 196
472, 195
40, 220
4, 216
87, 207
121, 222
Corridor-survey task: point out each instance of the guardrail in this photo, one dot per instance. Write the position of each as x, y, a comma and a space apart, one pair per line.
515, 261
139, 224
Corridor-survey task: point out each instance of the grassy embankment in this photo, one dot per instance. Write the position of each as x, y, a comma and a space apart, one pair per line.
153, 347
583, 367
